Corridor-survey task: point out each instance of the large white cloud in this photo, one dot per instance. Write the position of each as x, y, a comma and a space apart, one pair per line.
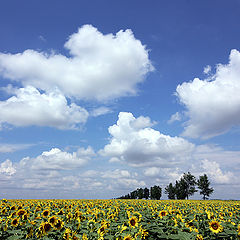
134, 141
213, 104
30, 107
100, 67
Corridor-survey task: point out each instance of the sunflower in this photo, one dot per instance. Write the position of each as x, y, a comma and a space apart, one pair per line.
13, 207
45, 213
46, 227
21, 212
215, 226
162, 213
133, 222
67, 234
199, 237
15, 222
239, 229
52, 220
84, 237
59, 224
101, 230
128, 237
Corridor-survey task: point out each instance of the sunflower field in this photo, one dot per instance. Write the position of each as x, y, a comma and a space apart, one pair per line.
119, 219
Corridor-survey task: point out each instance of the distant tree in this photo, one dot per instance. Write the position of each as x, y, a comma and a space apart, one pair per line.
133, 194
146, 193
140, 193
203, 184
170, 191
155, 192
180, 189
190, 182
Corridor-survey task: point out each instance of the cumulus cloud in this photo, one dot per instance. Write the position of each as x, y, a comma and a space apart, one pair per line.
30, 107
100, 67
133, 141
213, 106
7, 168
213, 169
55, 159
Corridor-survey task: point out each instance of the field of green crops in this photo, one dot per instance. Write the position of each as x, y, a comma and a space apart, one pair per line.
119, 219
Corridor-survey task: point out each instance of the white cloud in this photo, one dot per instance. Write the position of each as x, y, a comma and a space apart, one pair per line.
133, 141
30, 107
100, 111
213, 169
7, 168
207, 69
6, 148
55, 159
101, 67
213, 106
175, 117
116, 174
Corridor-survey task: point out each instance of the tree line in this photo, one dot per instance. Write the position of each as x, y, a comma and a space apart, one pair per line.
182, 189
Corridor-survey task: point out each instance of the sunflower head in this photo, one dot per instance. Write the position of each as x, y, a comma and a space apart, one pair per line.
52, 220
215, 226
21, 212
59, 224
133, 222
199, 237
128, 237
15, 222
162, 213
45, 213
47, 227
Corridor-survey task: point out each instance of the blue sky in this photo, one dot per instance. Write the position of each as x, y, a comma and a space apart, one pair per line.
98, 98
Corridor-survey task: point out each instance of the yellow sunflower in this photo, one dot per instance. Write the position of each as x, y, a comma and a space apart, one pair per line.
52, 220
47, 227
15, 222
59, 224
21, 212
67, 234
239, 229
162, 213
133, 222
215, 226
199, 237
45, 213
128, 237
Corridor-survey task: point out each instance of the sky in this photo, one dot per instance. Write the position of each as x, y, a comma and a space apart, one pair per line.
99, 97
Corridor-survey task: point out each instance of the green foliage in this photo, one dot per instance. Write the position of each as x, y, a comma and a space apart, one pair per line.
170, 191
155, 192
203, 184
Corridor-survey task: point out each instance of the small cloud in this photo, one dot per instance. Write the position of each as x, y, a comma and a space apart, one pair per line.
100, 111
175, 117
42, 38
207, 69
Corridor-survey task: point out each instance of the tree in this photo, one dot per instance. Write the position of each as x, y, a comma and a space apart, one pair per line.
146, 193
140, 193
203, 184
190, 182
155, 192
180, 189
133, 194
170, 191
